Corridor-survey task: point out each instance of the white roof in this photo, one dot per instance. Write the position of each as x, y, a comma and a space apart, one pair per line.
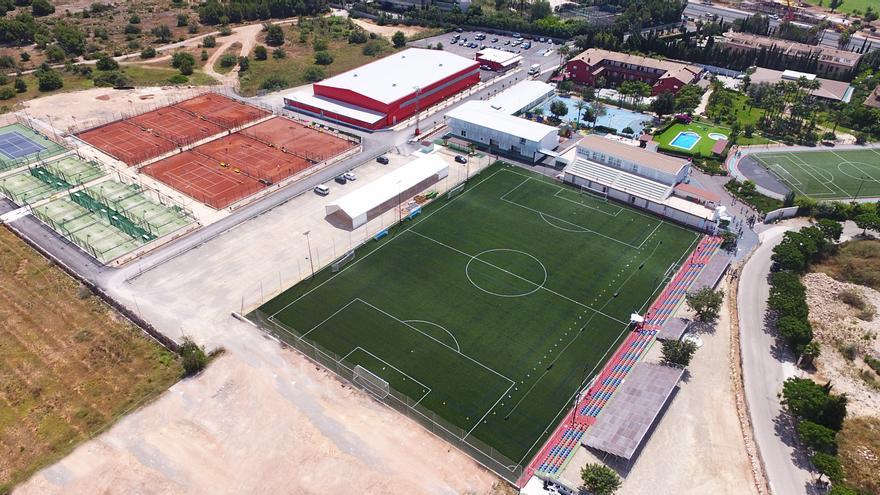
479, 113
793, 75
391, 78
338, 107
521, 95
498, 56
359, 202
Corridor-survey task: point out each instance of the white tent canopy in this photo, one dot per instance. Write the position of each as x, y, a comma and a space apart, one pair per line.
357, 204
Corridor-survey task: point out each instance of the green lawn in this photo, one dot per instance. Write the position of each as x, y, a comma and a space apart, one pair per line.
703, 147
729, 101
850, 6
827, 174
491, 309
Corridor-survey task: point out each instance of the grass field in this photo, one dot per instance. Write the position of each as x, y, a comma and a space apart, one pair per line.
490, 309
703, 147
831, 174
69, 365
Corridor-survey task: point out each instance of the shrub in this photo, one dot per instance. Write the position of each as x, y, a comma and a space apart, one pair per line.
228, 60
162, 33
182, 20
399, 39
209, 42
260, 52
313, 74
373, 48
106, 63
115, 79
24, 56
225, 30
194, 357
40, 8
180, 58
204, 55
55, 53
49, 80
323, 58
7, 93
134, 19
148, 52
20, 85
178, 79
131, 29
357, 36
279, 53
274, 83
186, 67
274, 35
244, 64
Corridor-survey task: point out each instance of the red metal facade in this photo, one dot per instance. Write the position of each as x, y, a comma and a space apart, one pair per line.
398, 110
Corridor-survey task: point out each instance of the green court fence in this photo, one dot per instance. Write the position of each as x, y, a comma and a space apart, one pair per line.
115, 218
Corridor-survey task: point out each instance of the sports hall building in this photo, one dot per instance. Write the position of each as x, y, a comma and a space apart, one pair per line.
642, 178
389, 90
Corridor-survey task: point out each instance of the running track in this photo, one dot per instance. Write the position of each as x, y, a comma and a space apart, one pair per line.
558, 449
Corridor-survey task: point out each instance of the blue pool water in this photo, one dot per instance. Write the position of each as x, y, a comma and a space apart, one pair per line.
614, 118
685, 140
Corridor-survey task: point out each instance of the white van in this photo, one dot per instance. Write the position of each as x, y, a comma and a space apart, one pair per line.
534, 69
322, 190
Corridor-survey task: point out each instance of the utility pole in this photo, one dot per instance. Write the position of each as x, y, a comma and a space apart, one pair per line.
861, 183
309, 244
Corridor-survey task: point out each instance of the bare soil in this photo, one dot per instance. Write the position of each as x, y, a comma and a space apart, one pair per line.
846, 339
859, 453
70, 364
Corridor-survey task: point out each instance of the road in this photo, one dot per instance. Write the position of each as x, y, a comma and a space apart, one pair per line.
829, 37
765, 367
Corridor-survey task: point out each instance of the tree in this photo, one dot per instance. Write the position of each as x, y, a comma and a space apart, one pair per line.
40, 8
55, 53
279, 53
69, 38
796, 331
540, 10
808, 356
357, 36
274, 35
194, 357
182, 57
581, 105
106, 63
228, 60
678, 353
867, 221
162, 33
558, 108
49, 80
209, 42
807, 400
323, 58
313, 74
831, 229
663, 104
260, 52
833, 4
186, 67
20, 85
817, 438
134, 19
705, 302
244, 64
398, 40
600, 479
204, 55
828, 465
687, 98
182, 20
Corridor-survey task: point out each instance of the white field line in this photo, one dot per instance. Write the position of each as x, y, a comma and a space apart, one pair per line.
395, 368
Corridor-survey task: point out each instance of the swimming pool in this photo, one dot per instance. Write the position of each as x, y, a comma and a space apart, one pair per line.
685, 140
614, 118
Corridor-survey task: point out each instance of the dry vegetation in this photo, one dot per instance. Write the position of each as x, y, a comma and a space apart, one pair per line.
857, 262
859, 453
69, 364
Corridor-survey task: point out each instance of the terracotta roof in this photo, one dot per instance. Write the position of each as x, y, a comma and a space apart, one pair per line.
683, 72
792, 48
698, 192
873, 99
829, 89
642, 157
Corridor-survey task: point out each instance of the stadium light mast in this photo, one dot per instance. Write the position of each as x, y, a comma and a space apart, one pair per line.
309, 244
861, 183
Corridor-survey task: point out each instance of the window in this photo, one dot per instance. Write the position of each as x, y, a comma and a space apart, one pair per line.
463, 133
522, 140
493, 142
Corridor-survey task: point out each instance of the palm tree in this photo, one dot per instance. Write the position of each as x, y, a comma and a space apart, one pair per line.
580, 105
563, 51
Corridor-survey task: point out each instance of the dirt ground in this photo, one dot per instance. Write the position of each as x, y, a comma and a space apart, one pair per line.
68, 363
388, 31
837, 326
261, 419
697, 445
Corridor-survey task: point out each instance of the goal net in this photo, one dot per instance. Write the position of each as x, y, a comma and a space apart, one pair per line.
455, 191
371, 382
341, 262
598, 195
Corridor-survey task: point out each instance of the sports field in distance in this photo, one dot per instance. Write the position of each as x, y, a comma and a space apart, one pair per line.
827, 174
491, 308
70, 366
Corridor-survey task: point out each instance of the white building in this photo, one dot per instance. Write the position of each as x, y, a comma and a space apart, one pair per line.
478, 122
642, 178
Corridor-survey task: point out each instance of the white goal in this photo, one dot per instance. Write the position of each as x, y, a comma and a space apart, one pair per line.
371, 382
341, 262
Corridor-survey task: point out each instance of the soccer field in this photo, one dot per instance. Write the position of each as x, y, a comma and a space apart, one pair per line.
492, 308
827, 174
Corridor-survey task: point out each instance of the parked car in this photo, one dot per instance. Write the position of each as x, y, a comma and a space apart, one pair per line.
526, 45
482, 47
322, 190
506, 42
459, 30
485, 67
515, 35
382, 159
460, 159
340, 179
494, 40
350, 175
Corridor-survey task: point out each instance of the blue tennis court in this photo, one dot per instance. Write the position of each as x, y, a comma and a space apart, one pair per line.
14, 145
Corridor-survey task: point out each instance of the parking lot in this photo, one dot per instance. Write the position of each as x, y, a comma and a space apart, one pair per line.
541, 53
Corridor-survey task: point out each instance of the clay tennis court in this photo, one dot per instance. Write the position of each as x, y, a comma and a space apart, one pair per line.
176, 125
298, 139
127, 142
203, 179
253, 157
221, 110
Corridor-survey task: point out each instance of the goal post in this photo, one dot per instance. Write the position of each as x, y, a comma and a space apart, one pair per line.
341, 262
455, 191
598, 195
371, 382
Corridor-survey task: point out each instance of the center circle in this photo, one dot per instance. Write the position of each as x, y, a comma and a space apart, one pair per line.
506, 272
859, 170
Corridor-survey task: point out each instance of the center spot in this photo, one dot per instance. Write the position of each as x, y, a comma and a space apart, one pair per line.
506, 272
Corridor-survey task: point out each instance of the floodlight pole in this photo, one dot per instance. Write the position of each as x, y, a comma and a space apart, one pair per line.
309, 244
861, 182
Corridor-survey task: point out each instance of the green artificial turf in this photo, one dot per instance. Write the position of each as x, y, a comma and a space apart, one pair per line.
492, 308
827, 174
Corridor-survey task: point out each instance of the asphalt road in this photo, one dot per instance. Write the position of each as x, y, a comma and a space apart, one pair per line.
765, 368
829, 37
